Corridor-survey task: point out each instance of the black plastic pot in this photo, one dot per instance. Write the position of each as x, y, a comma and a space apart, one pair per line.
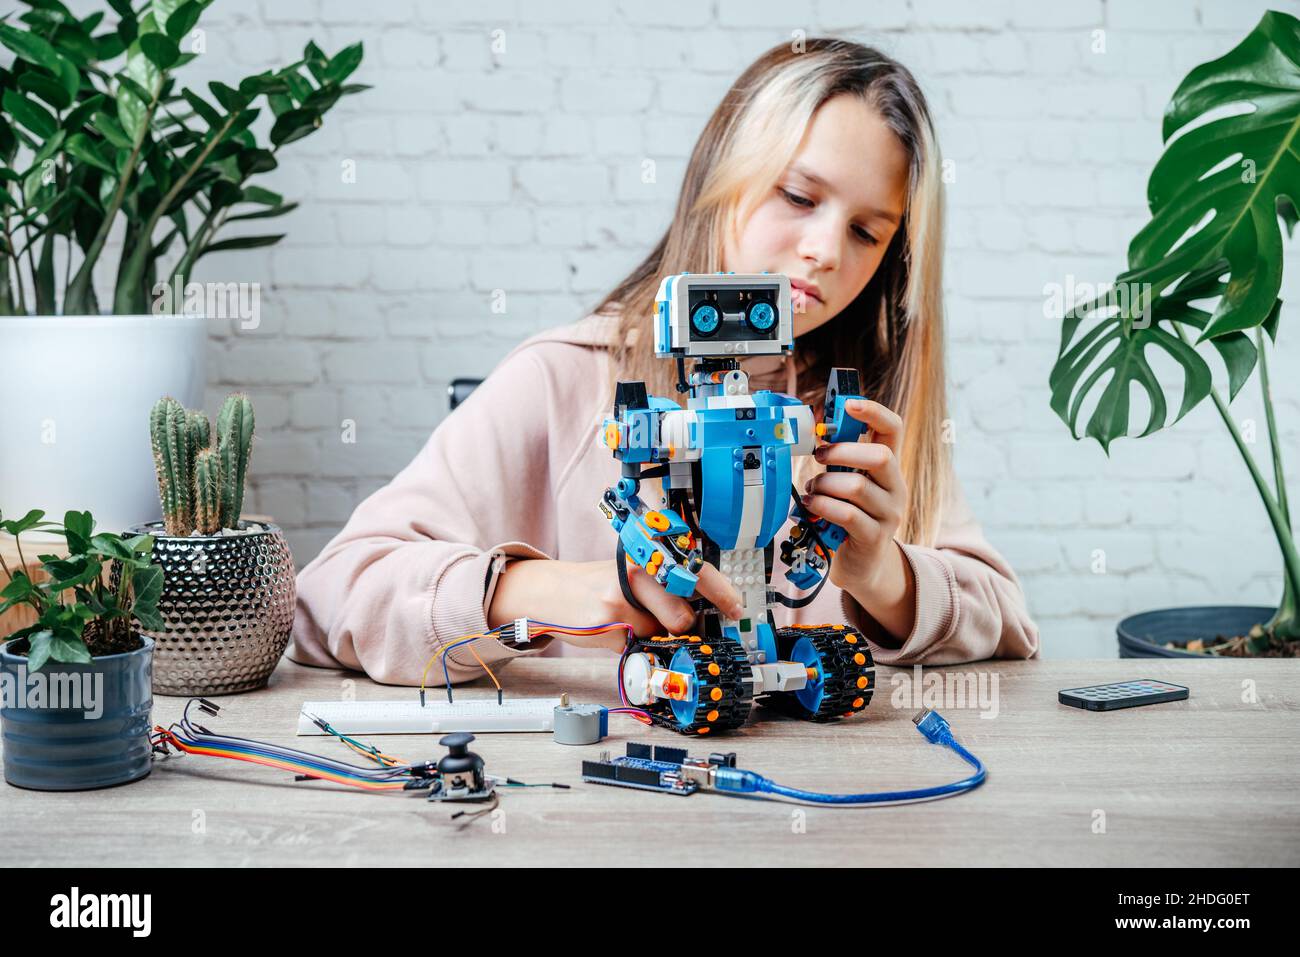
103, 742
1144, 635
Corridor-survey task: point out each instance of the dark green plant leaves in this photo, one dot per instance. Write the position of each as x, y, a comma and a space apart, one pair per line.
202, 107
17, 526
41, 53
294, 125
1243, 196
344, 64
147, 585
18, 588
30, 114
161, 49
77, 528
38, 649
242, 242
69, 649
58, 633
1208, 265
183, 20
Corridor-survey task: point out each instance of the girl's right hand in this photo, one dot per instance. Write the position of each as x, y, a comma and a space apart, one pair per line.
584, 594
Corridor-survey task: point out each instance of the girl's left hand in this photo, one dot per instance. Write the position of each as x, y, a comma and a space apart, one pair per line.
869, 564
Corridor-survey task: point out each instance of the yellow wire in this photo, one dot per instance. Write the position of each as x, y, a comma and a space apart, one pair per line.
442, 651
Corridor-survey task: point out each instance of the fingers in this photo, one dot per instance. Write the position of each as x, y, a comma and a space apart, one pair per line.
876, 458
885, 422
857, 489
717, 588
849, 517
670, 611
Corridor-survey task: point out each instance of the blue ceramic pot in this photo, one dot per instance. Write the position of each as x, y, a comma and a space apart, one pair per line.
1144, 635
79, 726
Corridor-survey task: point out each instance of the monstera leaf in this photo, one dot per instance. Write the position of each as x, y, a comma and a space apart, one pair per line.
1230, 170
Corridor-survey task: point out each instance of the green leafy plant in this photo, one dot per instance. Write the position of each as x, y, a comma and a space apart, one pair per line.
1205, 271
80, 610
200, 487
94, 128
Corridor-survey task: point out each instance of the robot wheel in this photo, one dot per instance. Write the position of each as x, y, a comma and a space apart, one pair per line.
846, 672
720, 697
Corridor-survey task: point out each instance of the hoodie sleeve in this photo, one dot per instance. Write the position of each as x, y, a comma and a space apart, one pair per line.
969, 603
416, 566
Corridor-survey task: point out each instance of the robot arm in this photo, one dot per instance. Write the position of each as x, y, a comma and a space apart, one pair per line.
813, 540
658, 540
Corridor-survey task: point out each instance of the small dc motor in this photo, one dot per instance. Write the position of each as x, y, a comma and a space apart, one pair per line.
580, 723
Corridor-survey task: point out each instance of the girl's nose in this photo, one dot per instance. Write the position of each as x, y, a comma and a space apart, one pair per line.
820, 245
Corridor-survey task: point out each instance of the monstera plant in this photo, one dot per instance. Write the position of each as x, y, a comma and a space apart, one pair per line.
1202, 284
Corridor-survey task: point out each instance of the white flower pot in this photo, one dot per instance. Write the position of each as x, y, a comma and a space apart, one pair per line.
76, 393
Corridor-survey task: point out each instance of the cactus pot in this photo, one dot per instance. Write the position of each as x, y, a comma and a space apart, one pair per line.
228, 603
101, 741
71, 442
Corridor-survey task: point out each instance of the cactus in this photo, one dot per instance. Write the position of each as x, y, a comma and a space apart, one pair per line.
207, 491
200, 486
173, 456
200, 431
234, 447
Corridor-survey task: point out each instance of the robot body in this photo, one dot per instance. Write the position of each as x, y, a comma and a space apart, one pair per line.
726, 465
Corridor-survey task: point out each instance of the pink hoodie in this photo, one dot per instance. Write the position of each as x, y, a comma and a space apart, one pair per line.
515, 472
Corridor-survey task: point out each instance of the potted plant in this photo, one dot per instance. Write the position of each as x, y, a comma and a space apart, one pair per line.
76, 683
1204, 272
227, 603
99, 138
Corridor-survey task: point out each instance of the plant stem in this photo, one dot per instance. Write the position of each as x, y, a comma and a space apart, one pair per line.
31, 599
76, 298
207, 229
133, 269
1289, 628
12, 256
1285, 619
1279, 481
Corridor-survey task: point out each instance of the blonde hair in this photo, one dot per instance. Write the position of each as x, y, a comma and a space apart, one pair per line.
893, 331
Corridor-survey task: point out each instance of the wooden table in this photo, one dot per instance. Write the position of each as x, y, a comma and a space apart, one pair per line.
1209, 781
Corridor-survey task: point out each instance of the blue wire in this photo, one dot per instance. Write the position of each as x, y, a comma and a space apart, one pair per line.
929, 723
446, 675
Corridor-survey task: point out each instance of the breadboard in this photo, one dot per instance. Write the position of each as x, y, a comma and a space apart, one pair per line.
408, 716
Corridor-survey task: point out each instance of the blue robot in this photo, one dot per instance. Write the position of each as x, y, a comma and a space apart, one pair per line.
725, 465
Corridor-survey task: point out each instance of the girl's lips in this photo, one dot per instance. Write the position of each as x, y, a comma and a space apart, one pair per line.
805, 292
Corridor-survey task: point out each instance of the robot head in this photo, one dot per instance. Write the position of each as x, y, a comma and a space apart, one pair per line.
723, 314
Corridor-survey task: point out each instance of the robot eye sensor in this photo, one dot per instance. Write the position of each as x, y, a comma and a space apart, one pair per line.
724, 314
706, 320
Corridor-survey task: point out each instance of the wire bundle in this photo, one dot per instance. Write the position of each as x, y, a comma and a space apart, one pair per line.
191, 738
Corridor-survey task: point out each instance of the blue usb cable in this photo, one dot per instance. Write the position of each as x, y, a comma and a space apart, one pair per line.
929, 723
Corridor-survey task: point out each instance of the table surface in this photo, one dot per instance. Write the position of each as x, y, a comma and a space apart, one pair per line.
1214, 780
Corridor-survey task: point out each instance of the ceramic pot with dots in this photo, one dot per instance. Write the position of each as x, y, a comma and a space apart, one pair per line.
228, 603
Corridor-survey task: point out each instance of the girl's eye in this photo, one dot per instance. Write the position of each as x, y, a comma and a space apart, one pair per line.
795, 199
803, 202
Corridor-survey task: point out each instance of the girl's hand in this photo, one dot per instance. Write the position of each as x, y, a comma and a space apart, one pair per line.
869, 564
584, 594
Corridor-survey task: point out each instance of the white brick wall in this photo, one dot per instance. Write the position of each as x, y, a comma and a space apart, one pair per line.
521, 171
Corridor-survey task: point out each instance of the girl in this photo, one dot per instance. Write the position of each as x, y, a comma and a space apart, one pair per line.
822, 165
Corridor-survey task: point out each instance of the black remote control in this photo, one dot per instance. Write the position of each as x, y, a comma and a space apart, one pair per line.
1123, 694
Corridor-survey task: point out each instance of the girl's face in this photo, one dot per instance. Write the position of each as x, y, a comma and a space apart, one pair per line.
831, 215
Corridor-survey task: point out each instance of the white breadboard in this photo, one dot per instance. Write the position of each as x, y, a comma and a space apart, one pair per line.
436, 716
